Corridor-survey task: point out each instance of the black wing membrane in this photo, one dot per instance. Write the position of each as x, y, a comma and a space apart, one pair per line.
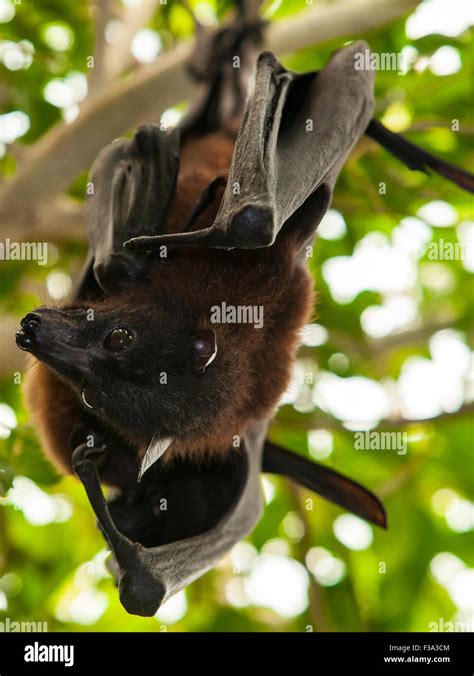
416, 158
326, 482
133, 182
296, 133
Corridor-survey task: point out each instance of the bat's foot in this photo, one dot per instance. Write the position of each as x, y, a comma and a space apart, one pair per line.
87, 446
223, 61
214, 48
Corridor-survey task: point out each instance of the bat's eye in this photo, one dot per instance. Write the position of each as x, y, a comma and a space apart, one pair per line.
205, 349
118, 339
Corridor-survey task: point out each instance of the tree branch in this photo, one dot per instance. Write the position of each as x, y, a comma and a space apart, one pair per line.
376, 349
68, 149
61, 154
396, 483
118, 57
329, 21
321, 420
317, 605
101, 14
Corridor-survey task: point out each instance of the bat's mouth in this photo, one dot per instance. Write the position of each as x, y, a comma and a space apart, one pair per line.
182, 500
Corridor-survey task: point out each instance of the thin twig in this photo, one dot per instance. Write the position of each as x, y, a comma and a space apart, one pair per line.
316, 600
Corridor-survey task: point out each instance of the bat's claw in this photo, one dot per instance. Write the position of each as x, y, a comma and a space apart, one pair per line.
84, 454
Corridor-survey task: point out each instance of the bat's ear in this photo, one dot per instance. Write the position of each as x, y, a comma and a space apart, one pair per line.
296, 133
326, 482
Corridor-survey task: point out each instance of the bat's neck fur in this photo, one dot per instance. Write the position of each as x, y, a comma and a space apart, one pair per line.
258, 360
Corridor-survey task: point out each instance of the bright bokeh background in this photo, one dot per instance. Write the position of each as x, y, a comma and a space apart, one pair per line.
389, 349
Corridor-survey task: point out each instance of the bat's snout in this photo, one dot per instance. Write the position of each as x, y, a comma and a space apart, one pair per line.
26, 337
52, 335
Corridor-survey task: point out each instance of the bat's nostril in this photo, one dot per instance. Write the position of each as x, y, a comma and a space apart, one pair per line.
26, 336
32, 318
29, 328
23, 340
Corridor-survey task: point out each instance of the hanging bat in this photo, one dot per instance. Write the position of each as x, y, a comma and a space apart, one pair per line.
138, 385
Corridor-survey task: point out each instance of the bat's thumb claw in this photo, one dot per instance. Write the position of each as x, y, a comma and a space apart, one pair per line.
142, 244
132, 244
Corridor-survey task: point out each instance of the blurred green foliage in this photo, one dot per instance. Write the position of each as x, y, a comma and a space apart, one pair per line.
51, 561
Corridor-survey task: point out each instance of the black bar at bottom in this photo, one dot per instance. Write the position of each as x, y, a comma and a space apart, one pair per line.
382, 653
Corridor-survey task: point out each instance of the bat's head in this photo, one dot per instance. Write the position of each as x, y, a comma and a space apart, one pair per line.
139, 363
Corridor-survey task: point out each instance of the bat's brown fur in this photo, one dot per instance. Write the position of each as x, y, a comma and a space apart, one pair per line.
258, 361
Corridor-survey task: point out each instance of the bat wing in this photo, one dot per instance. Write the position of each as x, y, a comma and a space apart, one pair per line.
326, 482
296, 133
131, 186
177, 523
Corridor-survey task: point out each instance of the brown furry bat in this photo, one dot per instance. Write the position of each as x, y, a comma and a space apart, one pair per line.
183, 328
183, 230
166, 313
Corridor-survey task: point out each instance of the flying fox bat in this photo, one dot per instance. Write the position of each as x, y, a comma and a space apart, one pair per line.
138, 379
